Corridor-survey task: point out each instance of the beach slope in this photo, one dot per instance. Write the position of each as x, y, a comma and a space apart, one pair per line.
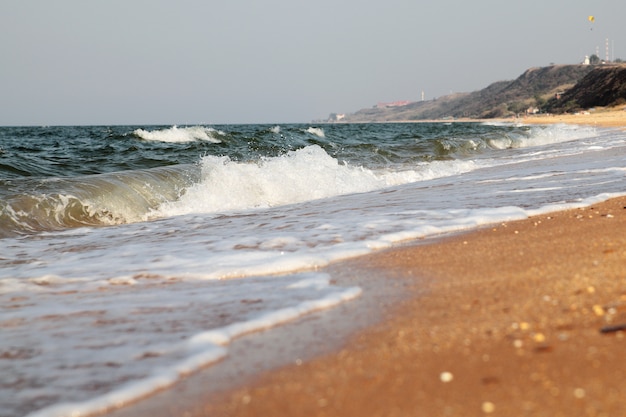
520, 318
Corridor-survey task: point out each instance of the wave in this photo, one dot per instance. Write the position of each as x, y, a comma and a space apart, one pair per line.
517, 137
345, 164
216, 184
317, 131
312, 173
97, 200
544, 135
175, 134
302, 175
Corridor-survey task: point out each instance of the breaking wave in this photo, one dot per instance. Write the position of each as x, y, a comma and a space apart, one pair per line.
175, 134
97, 200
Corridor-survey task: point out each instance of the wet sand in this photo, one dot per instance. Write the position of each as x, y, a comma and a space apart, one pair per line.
525, 318
517, 319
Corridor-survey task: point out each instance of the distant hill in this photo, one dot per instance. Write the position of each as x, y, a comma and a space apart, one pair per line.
557, 88
605, 86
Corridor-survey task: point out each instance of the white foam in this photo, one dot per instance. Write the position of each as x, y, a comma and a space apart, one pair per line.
302, 175
175, 134
311, 292
559, 133
317, 131
586, 202
540, 135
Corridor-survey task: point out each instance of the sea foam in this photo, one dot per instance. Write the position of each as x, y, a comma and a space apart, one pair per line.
194, 352
180, 135
307, 174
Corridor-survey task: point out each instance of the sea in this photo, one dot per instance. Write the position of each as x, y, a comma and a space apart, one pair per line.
131, 256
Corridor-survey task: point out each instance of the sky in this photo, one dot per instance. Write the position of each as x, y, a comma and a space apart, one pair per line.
72, 62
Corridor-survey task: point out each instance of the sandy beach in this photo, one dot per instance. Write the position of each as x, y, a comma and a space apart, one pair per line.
525, 318
517, 319
611, 117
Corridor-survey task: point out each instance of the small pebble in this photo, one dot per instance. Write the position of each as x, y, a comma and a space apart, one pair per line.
488, 407
598, 310
446, 377
539, 337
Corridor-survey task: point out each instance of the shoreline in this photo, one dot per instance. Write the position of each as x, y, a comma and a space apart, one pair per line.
462, 334
614, 117
311, 336
505, 320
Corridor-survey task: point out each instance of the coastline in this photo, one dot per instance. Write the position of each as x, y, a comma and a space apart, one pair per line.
613, 117
503, 320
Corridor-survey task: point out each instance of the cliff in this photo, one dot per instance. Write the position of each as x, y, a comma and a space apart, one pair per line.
576, 86
605, 86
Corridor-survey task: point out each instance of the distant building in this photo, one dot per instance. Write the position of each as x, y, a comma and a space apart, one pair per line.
336, 117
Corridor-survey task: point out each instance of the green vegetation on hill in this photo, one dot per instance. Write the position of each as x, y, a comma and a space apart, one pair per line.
556, 89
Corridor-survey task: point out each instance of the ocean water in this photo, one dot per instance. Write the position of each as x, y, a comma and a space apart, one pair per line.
133, 255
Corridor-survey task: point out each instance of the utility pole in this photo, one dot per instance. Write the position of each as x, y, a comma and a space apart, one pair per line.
613, 50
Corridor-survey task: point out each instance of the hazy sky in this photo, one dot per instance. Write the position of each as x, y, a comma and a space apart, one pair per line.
274, 61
